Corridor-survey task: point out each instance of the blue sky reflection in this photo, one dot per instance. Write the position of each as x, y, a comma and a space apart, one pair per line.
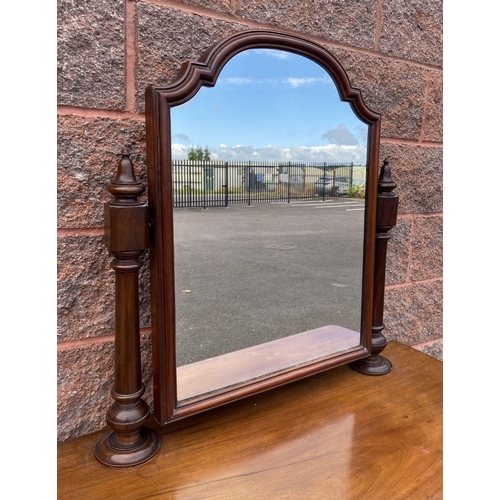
270, 105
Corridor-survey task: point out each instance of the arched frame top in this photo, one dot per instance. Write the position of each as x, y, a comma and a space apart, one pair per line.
193, 75
159, 100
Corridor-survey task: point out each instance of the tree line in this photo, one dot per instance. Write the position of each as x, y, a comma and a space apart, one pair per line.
199, 154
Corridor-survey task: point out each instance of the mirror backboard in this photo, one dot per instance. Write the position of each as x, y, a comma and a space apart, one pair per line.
262, 264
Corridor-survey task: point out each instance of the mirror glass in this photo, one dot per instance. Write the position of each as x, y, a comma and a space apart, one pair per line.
268, 172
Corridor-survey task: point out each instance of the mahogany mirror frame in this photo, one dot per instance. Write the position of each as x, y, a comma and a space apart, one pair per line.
159, 101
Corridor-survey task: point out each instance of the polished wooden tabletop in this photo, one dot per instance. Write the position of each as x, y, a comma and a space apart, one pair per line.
336, 435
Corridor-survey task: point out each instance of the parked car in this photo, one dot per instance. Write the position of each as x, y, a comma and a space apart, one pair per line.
324, 186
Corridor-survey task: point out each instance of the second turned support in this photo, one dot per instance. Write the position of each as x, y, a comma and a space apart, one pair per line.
387, 211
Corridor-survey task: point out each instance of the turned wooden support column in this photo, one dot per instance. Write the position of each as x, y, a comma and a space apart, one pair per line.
126, 237
387, 211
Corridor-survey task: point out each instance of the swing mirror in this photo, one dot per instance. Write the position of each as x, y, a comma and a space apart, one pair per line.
262, 166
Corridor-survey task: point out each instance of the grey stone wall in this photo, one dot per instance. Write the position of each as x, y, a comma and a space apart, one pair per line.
109, 50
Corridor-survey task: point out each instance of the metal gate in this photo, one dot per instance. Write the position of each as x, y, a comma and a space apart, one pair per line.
219, 184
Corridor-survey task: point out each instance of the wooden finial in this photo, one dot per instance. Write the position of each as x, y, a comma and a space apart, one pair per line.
385, 182
125, 186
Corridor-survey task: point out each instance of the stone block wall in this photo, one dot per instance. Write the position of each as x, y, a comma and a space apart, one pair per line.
109, 50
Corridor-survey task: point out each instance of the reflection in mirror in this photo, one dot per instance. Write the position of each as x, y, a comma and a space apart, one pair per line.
268, 171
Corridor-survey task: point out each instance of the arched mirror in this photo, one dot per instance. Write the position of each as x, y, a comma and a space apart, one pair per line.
282, 153
262, 167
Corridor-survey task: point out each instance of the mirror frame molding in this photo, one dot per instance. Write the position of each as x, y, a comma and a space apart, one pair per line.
159, 100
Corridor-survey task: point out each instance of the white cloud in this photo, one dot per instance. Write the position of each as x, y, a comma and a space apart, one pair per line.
179, 151
299, 82
279, 54
324, 153
290, 82
237, 80
338, 153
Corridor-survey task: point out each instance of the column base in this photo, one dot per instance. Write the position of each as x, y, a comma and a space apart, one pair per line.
373, 365
109, 453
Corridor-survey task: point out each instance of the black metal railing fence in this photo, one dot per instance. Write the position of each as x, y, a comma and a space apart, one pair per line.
219, 184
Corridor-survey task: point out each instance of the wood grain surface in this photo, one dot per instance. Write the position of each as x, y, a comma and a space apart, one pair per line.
335, 435
237, 367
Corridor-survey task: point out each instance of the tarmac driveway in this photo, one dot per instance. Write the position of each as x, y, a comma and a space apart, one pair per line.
250, 274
